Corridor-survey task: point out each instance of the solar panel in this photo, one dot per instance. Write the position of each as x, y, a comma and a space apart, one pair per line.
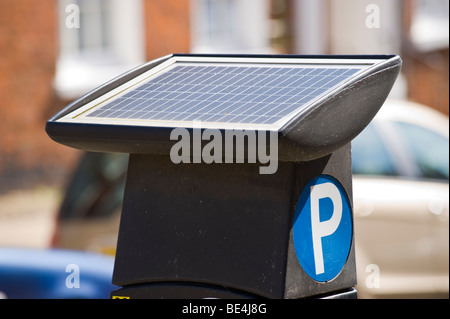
219, 94
257, 96
316, 104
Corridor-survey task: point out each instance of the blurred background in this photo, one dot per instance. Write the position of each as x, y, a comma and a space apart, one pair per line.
53, 51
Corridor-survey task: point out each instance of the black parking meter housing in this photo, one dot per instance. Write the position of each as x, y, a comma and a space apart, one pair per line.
223, 230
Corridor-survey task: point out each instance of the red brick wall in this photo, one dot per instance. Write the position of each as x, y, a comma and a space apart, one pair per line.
28, 52
427, 74
428, 79
167, 27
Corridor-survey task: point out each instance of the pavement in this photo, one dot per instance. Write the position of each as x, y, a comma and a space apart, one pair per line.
28, 217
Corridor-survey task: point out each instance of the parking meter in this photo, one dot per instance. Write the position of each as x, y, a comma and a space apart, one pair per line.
239, 179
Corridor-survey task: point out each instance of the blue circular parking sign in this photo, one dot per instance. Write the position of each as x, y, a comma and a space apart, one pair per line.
322, 230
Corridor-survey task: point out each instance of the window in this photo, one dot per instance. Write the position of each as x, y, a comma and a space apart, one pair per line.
429, 27
429, 150
369, 155
93, 33
108, 41
238, 26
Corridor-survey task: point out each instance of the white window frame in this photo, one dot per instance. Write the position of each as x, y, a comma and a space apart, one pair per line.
81, 69
429, 28
230, 26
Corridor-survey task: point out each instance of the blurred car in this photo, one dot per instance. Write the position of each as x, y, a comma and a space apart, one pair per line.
54, 274
400, 192
89, 215
401, 203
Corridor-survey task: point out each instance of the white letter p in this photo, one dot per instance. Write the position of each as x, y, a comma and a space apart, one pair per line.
327, 227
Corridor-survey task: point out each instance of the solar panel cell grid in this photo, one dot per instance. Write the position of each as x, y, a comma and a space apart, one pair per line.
222, 94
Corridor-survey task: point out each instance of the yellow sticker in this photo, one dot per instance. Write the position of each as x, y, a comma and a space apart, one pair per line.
120, 297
